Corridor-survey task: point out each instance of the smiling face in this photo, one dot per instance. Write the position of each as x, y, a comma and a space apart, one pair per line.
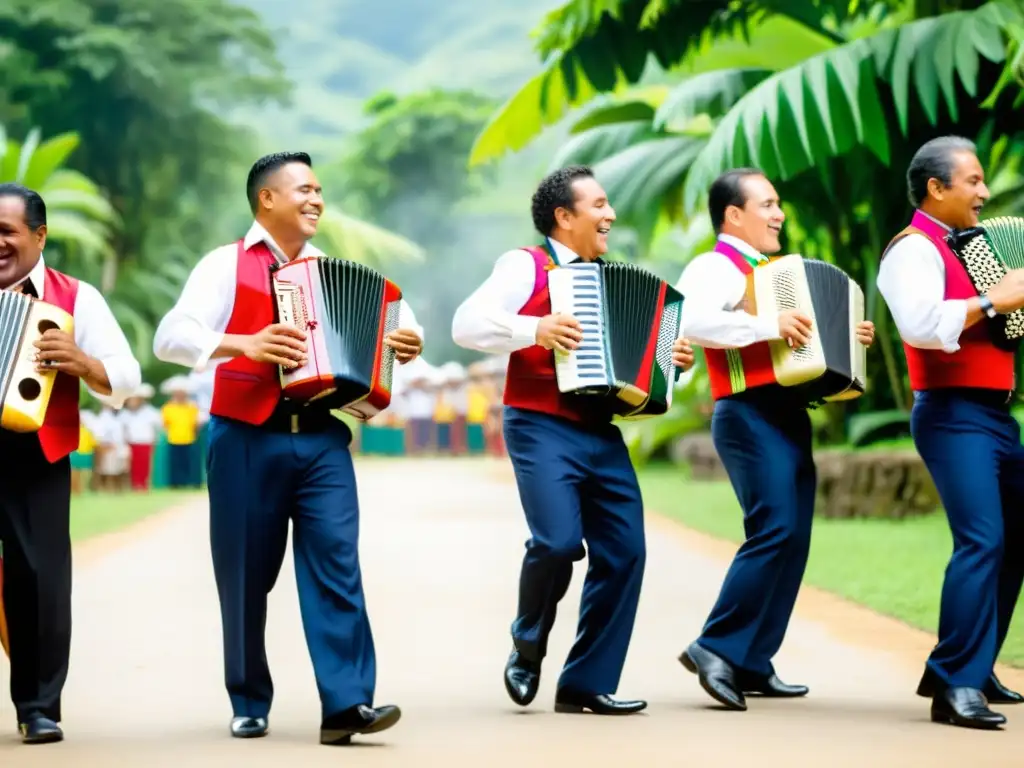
759, 221
959, 204
20, 246
292, 202
585, 228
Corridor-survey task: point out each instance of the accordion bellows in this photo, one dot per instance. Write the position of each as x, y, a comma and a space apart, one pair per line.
988, 252
25, 392
832, 367
630, 320
346, 310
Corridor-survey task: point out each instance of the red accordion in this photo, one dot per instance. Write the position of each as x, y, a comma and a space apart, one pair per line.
346, 310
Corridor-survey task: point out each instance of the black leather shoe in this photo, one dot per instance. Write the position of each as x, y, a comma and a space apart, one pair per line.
931, 685
598, 703
363, 719
716, 675
40, 730
771, 687
522, 678
248, 727
965, 707
997, 693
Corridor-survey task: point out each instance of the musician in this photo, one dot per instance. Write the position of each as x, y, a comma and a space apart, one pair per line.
575, 478
35, 468
962, 427
762, 433
270, 460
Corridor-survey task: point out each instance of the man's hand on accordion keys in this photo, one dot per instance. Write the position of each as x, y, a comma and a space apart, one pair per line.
559, 332
58, 351
407, 344
682, 354
279, 344
795, 327
866, 332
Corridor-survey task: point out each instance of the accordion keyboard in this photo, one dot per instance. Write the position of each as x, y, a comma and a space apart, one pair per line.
576, 290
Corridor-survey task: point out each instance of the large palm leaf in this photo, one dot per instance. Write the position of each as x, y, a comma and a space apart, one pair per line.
600, 46
80, 219
822, 108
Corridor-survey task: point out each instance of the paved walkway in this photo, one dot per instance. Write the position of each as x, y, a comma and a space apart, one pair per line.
441, 546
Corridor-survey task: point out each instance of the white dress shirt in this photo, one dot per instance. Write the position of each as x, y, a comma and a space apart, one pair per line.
191, 332
98, 335
713, 289
141, 426
912, 280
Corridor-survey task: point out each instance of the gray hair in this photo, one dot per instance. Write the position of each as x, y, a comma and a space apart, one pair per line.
934, 160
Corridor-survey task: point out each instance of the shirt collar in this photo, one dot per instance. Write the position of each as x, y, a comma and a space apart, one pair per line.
932, 218
36, 278
561, 253
743, 247
257, 233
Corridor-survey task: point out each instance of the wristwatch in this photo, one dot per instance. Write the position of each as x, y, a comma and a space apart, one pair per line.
986, 306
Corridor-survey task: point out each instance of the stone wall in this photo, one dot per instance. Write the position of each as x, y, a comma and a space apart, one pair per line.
893, 484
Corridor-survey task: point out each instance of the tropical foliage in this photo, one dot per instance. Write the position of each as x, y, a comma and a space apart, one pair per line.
829, 98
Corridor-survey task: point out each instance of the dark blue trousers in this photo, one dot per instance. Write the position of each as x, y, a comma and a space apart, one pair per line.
259, 480
972, 450
766, 450
180, 459
577, 484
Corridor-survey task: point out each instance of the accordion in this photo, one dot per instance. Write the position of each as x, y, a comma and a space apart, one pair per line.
24, 391
630, 320
346, 310
988, 252
833, 365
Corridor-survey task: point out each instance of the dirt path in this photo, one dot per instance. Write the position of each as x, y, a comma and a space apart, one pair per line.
441, 545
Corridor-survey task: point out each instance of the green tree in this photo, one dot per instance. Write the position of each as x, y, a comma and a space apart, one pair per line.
406, 171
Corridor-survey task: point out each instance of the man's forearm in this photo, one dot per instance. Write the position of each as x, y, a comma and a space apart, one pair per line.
96, 377
232, 345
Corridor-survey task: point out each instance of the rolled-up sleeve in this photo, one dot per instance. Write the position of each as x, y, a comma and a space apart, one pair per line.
911, 279
98, 334
190, 333
489, 320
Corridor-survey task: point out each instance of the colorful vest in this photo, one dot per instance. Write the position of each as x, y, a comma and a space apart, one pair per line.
60, 433
243, 389
732, 371
978, 363
530, 381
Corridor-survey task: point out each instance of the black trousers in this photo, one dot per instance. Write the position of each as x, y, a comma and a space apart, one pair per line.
35, 511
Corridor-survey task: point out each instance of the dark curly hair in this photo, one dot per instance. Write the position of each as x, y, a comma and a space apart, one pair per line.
555, 191
263, 168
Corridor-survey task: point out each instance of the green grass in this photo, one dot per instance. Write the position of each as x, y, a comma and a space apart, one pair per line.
93, 514
891, 566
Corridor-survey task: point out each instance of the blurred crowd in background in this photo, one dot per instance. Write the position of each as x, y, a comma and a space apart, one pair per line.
158, 440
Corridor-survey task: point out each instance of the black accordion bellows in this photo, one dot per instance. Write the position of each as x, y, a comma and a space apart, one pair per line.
830, 287
352, 296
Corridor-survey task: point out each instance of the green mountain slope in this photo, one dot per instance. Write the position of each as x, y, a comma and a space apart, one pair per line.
340, 52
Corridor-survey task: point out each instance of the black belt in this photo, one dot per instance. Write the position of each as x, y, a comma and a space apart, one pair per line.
290, 417
994, 398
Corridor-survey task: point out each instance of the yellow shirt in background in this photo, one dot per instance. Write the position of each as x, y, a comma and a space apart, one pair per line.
181, 420
479, 405
86, 442
443, 412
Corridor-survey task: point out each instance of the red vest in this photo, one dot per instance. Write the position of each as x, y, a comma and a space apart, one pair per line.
731, 371
243, 389
978, 363
59, 435
530, 381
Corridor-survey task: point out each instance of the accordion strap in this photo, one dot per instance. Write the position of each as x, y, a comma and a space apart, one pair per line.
905, 233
